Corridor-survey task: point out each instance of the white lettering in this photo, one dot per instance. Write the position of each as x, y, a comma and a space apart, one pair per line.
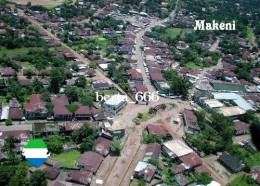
199, 25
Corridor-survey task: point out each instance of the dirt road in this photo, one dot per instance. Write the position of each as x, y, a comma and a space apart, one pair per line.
99, 75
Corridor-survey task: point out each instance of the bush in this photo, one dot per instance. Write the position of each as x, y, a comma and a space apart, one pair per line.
8, 122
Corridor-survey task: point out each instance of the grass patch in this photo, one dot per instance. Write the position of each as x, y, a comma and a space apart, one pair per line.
15, 51
192, 65
133, 129
172, 33
250, 35
108, 92
159, 121
143, 117
242, 181
68, 159
102, 42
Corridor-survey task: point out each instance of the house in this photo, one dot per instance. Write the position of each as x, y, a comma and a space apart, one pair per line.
181, 180
201, 169
181, 45
125, 49
135, 76
102, 85
35, 109
99, 115
152, 151
115, 103
233, 112
21, 136
191, 160
175, 149
70, 126
102, 146
79, 176
156, 76
255, 174
16, 114
190, 122
230, 162
6, 72
69, 147
179, 168
115, 128
51, 172
83, 113
241, 127
90, 161
158, 130
59, 110
145, 171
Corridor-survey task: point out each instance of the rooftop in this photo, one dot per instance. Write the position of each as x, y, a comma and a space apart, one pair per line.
231, 111
115, 100
178, 147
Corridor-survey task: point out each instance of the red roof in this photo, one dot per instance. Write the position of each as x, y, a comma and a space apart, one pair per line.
153, 151
191, 159
36, 103
72, 125
16, 114
156, 76
102, 146
191, 119
135, 74
241, 126
90, 161
21, 135
83, 110
158, 130
178, 169
141, 88
203, 168
82, 176
59, 105
255, 174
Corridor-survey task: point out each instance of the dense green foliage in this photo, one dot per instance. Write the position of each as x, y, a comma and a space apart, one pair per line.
178, 85
38, 178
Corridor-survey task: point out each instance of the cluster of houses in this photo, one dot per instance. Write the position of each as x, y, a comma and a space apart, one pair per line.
176, 150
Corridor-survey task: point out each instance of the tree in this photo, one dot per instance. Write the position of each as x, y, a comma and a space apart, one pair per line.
55, 143
8, 122
72, 108
38, 178
50, 107
204, 178
81, 82
154, 161
29, 74
87, 100
57, 78
37, 85
20, 176
71, 93
92, 65
8, 148
116, 147
75, 67
87, 144
6, 173
83, 132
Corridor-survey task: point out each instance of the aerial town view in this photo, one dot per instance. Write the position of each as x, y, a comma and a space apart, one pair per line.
129, 92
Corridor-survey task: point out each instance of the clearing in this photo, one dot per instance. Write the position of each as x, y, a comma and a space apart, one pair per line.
45, 3
68, 159
173, 33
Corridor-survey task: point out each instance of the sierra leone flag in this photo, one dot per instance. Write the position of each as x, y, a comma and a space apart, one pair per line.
36, 152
